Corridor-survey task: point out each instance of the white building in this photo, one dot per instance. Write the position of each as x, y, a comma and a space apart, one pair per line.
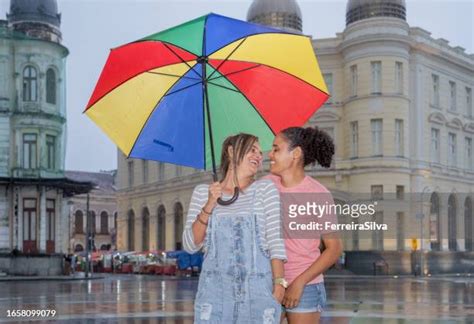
401, 115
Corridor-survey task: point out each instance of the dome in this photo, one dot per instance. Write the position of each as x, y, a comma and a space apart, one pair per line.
38, 11
362, 9
285, 14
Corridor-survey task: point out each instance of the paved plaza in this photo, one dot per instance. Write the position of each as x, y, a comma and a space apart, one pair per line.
153, 299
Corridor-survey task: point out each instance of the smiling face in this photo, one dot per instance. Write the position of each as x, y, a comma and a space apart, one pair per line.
251, 161
282, 159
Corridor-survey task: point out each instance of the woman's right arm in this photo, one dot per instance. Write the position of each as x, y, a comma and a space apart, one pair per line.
198, 199
203, 201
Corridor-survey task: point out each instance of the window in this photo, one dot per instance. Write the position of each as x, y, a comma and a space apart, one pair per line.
435, 90
51, 86
78, 222
452, 95
435, 151
468, 102
29, 151
398, 137
29, 219
178, 225
354, 80
399, 77
354, 139
50, 219
376, 192
452, 149
51, 152
145, 171
377, 235
161, 171
376, 125
400, 192
468, 154
376, 68
92, 224
400, 231
104, 223
130, 174
329, 83
30, 84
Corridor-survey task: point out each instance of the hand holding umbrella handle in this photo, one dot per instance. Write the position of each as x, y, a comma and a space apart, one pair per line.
231, 200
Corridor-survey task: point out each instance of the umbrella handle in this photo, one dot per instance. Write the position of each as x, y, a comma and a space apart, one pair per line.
231, 200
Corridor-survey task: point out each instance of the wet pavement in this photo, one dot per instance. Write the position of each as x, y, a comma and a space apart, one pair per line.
152, 299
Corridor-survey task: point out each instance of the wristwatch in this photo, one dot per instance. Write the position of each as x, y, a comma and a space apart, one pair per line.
280, 281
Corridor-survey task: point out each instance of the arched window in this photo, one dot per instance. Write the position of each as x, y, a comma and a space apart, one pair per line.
131, 230
452, 244
435, 223
51, 86
78, 248
468, 225
78, 222
30, 84
92, 222
178, 225
104, 223
145, 229
161, 228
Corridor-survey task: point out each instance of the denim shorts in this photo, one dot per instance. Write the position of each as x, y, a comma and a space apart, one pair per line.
312, 300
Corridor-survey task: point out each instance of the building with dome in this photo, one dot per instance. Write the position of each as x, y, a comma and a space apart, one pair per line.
401, 116
284, 14
33, 186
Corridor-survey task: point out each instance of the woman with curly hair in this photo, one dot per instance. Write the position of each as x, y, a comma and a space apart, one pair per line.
293, 149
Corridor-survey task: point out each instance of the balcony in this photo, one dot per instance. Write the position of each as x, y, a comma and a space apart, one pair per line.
37, 173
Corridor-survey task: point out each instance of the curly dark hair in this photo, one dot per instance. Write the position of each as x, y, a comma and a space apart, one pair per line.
316, 144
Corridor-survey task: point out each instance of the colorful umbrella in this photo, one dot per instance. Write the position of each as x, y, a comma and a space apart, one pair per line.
176, 95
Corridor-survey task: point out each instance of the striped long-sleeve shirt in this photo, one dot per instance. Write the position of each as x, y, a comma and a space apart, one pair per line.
266, 207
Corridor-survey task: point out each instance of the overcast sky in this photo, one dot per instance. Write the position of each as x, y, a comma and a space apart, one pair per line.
91, 27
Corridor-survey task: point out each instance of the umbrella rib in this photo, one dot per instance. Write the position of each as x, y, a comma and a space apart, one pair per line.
224, 87
179, 90
182, 60
243, 70
228, 56
173, 75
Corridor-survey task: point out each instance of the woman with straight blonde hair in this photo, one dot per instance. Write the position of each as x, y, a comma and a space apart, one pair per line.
242, 272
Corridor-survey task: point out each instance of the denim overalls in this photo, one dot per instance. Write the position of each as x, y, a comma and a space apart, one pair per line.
235, 285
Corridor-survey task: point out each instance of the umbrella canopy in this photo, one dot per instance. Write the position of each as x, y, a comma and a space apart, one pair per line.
176, 95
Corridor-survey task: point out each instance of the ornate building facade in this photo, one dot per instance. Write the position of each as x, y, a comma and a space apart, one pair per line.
33, 187
401, 116
102, 212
